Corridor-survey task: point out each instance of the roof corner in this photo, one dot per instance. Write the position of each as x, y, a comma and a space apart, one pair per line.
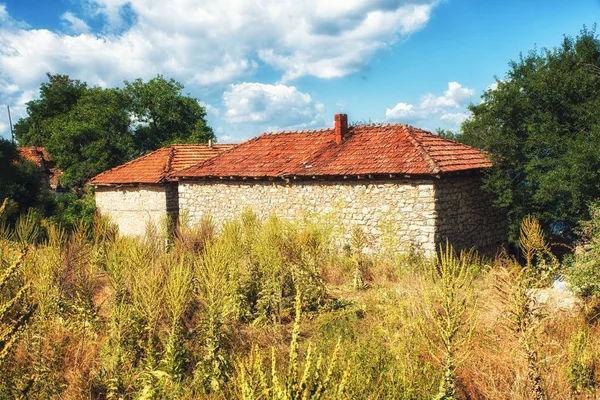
435, 167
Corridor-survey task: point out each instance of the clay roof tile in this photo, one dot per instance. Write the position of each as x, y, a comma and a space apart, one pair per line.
156, 166
365, 150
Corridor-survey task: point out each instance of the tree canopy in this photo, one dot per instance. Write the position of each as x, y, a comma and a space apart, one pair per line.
20, 180
92, 137
541, 125
88, 130
163, 115
57, 97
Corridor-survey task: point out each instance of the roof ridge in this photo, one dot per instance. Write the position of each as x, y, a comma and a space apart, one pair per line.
325, 130
167, 168
198, 144
309, 131
419, 146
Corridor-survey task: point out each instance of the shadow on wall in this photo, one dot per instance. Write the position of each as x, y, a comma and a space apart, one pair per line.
466, 217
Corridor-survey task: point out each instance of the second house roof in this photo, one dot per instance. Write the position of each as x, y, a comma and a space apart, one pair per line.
155, 167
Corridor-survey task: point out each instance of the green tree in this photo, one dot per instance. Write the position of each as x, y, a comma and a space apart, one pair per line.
541, 126
57, 97
447, 133
164, 115
89, 130
92, 137
20, 180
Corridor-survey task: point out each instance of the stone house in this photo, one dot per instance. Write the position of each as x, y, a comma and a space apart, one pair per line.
140, 191
395, 181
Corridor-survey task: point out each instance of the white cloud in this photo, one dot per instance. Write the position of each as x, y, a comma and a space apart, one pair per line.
226, 139
493, 86
11, 95
205, 44
208, 42
455, 118
8, 88
431, 106
75, 24
210, 109
341, 36
276, 105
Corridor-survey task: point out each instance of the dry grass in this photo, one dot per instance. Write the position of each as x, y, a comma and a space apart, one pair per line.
212, 314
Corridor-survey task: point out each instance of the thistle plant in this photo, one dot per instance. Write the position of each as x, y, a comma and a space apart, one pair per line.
27, 229
148, 296
539, 260
581, 371
177, 297
3, 210
193, 239
212, 295
310, 379
7, 208
449, 307
116, 353
522, 317
14, 312
358, 241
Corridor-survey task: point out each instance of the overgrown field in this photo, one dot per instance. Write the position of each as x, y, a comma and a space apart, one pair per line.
273, 310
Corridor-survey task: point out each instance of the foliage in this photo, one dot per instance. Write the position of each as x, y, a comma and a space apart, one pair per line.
92, 137
20, 180
447, 133
69, 209
541, 126
584, 269
263, 309
57, 97
164, 115
88, 130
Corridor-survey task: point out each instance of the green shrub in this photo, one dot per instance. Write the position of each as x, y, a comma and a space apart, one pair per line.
583, 269
69, 209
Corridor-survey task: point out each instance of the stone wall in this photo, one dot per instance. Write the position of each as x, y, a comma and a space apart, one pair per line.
466, 216
401, 212
132, 207
404, 214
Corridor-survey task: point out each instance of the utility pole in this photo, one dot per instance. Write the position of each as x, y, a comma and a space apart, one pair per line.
12, 135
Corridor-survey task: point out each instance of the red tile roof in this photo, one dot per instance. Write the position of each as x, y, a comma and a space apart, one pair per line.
156, 166
40, 157
365, 150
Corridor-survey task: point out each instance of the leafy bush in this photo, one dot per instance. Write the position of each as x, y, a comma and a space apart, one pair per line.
20, 180
584, 267
69, 209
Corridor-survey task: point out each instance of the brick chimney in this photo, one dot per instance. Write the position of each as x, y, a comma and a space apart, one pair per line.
341, 127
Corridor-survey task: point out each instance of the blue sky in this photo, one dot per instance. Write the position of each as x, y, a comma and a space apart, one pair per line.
263, 65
